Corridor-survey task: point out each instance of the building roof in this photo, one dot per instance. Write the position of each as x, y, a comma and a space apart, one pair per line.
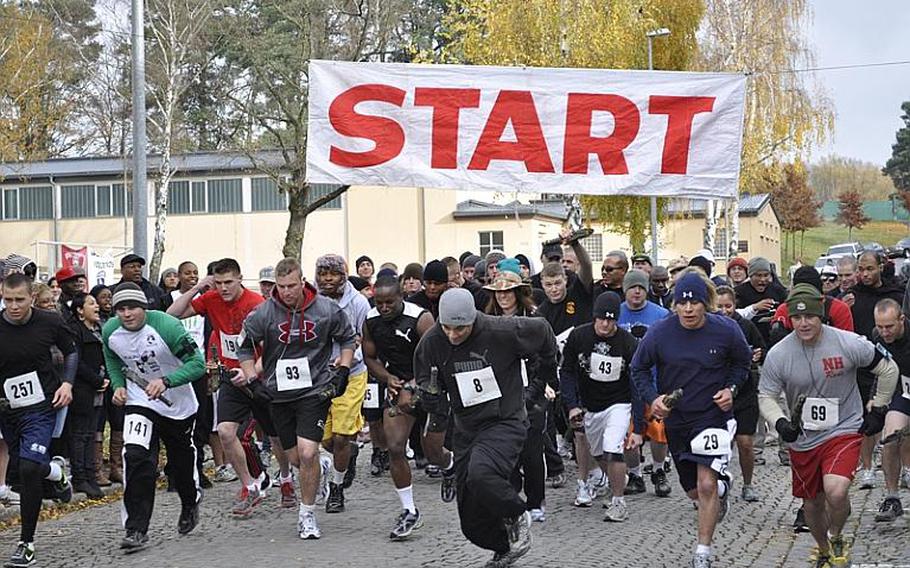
749, 206
473, 208
68, 168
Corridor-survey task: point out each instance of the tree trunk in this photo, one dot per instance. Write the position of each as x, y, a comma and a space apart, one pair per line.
733, 228
161, 198
802, 243
293, 239
710, 224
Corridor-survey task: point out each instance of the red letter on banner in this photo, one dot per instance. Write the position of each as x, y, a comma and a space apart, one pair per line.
446, 105
385, 132
529, 147
579, 143
680, 112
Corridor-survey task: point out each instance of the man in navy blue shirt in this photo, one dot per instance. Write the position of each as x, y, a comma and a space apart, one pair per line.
705, 355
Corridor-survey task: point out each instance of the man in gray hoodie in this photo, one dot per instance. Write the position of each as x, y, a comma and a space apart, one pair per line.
297, 329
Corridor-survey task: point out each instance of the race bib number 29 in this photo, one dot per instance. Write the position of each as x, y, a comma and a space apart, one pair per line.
712, 442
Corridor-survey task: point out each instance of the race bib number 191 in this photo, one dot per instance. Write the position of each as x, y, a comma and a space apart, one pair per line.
137, 429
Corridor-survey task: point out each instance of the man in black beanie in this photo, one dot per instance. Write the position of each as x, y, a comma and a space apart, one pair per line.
435, 282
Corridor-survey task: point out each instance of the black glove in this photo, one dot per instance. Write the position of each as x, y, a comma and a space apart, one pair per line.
340, 380
260, 391
874, 421
787, 431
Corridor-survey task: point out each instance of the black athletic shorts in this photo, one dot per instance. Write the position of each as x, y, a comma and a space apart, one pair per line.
301, 418
746, 414
235, 406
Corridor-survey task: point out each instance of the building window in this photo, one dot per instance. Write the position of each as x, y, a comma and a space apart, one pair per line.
225, 195
36, 203
178, 197
743, 246
198, 197
266, 196
490, 240
120, 197
77, 201
10, 204
595, 246
720, 244
320, 190
103, 200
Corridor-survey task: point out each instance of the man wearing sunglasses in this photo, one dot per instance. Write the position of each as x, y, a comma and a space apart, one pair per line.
830, 282
612, 272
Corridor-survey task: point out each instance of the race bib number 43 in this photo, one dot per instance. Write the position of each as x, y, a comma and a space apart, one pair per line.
477, 387
24, 390
605, 369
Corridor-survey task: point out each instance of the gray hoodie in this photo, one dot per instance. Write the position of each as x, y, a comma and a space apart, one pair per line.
301, 340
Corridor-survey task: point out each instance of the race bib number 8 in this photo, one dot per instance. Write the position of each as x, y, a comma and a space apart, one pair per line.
477, 387
605, 369
820, 413
24, 390
137, 429
371, 396
712, 442
293, 374
230, 344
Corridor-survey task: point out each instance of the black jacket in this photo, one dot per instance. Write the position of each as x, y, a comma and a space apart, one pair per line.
157, 298
865, 298
900, 351
90, 373
498, 345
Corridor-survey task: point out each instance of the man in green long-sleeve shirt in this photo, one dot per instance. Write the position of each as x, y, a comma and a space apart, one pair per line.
151, 360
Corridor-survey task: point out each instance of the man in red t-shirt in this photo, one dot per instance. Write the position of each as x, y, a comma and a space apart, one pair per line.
226, 304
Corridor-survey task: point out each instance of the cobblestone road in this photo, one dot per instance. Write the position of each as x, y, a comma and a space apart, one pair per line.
658, 534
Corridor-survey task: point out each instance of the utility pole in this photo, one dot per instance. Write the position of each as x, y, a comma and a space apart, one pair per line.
140, 185
654, 252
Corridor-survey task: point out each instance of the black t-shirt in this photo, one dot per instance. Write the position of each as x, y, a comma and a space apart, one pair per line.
26, 349
574, 310
599, 289
589, 376
422, 300
746, 295
396, 339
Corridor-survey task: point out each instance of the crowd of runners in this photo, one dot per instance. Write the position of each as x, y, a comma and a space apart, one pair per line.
479, 371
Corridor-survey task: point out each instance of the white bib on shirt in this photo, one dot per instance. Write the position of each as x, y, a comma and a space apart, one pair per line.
230, 344
605, 369
371, 396
712, 442
477, 387
820, 413
23, 390
137, 429
905, 381
293, 374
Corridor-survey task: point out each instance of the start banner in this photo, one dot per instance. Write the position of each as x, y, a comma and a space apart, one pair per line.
589, 131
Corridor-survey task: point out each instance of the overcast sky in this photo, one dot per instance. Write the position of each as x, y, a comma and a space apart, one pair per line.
867, 101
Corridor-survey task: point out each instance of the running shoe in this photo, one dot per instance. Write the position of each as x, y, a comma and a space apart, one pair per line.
447, 489
616, 513
647, 469
839, 551
265, 456
784, 456
598, 483
725, 500
866, 479
668, 464
288, 495
407, 523
519, 531
822, 561
661, 485
8, 497
557, 481
63, 490
23, 556
335, 502
890, 510
307, 527
246, 500
635, 485
351, 472
225, 473
538, 515
433, 470
583, 494
189, 518
134, 541
701, 561
749, 494
264, 482
498, 561
376, 467
799, 523
325, 476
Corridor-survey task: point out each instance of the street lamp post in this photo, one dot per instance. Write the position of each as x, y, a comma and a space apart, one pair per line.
661, 32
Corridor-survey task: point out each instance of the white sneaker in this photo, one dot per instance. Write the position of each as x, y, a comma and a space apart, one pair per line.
8, 497
866, 479
538, 515
225, 474
616, 513
598, 483
583, 494
325, 472
307, 527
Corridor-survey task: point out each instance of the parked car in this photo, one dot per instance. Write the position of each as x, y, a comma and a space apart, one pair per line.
903, 247
874, 247
845, 249
824, 261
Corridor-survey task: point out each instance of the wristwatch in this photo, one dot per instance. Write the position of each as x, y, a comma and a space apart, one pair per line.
733, 390
166, 381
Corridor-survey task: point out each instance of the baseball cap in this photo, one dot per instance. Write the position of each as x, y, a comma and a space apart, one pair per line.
267, 274
132, 258
68, 273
